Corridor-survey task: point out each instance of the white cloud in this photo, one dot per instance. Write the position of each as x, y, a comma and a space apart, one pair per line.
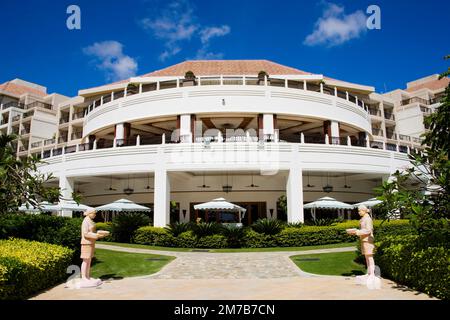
177, 24
110, 58
335, 27
208, 33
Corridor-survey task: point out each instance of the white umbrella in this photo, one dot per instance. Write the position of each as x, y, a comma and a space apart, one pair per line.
327, 203
71, 205
43, 206
369, 203
221, 204
122, 205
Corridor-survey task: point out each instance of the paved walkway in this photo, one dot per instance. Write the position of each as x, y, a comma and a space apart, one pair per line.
241, 275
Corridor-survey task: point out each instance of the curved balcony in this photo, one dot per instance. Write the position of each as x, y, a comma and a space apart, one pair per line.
141, 155
209, 95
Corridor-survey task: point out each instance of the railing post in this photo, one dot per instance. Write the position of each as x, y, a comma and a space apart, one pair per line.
397, 147
42, 153
265, 80
51, 152
346, 95
178, 82
408, 151
157, 85
356, 100
219, 137
285, 83
335, 92
349, 141
163, 138
302, 138
275, 135
327, 141
101, 100
244, 80
112, 96
247, 136
321, 87
221, 80
77, 148
140, 88
94, 145
304, 84
114, 142
199, 81
367, 141
138, 140
384, 145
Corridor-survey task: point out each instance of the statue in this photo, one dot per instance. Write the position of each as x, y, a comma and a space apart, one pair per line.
365, 234
88, 238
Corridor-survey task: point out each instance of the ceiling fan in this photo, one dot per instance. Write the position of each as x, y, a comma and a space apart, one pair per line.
110, 187
252, 185
128, 190
204, 186
148, 187
310, 185
345, 185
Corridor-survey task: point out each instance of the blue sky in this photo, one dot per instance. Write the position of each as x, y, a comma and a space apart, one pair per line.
122, 38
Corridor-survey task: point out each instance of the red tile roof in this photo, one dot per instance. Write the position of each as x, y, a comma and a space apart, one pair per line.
432, 85
224, 67
18, 89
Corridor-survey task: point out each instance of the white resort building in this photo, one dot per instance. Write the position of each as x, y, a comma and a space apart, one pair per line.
249, 131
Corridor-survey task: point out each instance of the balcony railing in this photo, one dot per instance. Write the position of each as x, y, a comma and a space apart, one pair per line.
38, 104
64, 119
13, 104
377, 132
78, 115
25, 131
77, 135
16, 118
206, 141
49, 142
375, 112
229, 80
36, 144
391, 135
389, 116
425, 110
62, 139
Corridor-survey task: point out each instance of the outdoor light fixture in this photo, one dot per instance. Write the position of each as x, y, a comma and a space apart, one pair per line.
227, 188
128, 191
328, 188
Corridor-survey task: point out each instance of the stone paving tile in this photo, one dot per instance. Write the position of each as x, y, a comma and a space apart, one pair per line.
232, 276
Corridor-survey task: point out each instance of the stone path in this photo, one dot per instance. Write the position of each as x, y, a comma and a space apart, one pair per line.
242, 275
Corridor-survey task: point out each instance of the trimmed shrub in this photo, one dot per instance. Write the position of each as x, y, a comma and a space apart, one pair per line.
234, 235
253, 239
309, 235
125, 225
204, 229
146, 235
215, 241
178, 228
186, 240
408, 260
50, 229
268, 226
27, 267
107, 226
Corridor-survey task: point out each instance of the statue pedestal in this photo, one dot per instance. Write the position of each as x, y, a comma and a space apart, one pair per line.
85, 283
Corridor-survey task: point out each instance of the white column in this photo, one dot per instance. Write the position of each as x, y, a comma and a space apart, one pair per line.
185, 128
161, 198
334, 130
120, 131
268, 125
294, 194
66, 186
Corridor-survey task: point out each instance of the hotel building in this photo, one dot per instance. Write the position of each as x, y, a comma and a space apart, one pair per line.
246, 130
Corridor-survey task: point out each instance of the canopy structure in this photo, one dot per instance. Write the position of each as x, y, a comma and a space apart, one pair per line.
327, 203
42, 207
369, 203
220, 204
123, 205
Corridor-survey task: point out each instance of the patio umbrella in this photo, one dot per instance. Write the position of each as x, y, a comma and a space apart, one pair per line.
71, 205
42, 207
123, 205
220, 204
326, 203
369, 203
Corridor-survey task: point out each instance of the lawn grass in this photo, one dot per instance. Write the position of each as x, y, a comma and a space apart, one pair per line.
326, 246
117, 265
335, 264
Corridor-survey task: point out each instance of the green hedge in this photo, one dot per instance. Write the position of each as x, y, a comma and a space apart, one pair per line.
50, 229
288, 237
416, 263
27, 267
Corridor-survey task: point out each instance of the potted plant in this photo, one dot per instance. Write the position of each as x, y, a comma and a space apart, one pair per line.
189, 79
261, 78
